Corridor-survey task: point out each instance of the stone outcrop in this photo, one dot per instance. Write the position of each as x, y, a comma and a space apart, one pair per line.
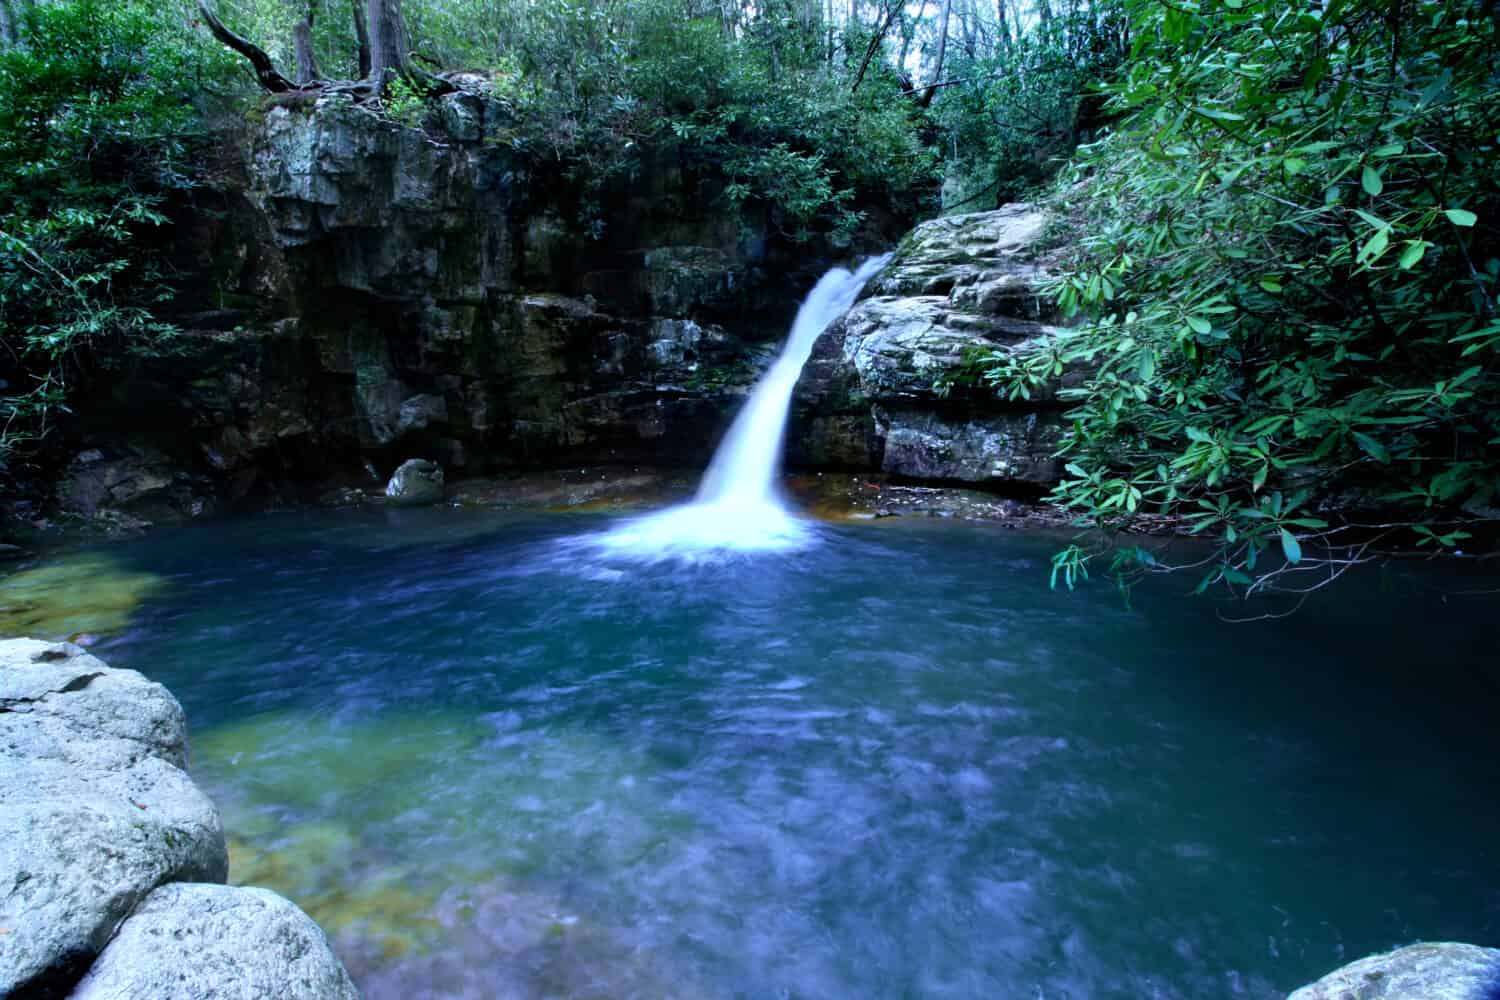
1442, 971
873, 394
95, 808
417, 482
372, 290
96, 811
197, 940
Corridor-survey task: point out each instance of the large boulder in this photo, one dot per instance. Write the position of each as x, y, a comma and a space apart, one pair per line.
1441, 971
187, 942
416, 483
95, 809
880, 387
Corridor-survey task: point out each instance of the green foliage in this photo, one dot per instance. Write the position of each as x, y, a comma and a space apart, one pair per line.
98, 107
1286, 257
609, 90
1023, 107
405, 104
605, 92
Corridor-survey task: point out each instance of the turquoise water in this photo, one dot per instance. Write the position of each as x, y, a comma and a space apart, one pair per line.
493, 762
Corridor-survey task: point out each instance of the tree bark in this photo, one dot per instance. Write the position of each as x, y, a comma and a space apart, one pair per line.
390, 51
937, 70
390, 43
9, 34
265, 70
302, 44
362, 34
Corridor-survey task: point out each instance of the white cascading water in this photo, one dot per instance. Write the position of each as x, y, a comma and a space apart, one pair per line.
738, 505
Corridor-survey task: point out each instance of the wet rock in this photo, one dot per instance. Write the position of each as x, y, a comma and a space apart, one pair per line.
193, 940
889, 379
145, 481
342, 496
416, 483
680, 280
421, 412
1439, 971
462, 116
374, 290
674, 342
1014, 448
961, 251
95, 808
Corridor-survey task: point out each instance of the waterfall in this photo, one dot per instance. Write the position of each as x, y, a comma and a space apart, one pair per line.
738, 504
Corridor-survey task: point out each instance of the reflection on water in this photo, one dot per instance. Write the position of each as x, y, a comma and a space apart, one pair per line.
494, 761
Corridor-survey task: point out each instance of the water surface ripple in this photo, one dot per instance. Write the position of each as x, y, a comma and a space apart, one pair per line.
493, 761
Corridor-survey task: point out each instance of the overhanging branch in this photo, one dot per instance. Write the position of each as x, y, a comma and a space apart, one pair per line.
265, 70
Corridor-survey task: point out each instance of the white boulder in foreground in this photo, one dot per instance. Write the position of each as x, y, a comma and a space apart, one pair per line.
416, 483
95, 809
105, 843
1417, 972
194, 942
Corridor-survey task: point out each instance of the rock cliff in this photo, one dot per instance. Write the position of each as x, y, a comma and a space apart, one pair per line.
372, 292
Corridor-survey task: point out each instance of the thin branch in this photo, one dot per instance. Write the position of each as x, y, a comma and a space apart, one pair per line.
954, 83
874, 46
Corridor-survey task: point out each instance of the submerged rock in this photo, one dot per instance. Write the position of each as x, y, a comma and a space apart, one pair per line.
416, 483
1440, 971
95, 808
217, 941
86, 593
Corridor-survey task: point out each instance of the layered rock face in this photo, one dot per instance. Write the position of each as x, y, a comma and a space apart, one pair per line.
99, 823
871, 396
374, 293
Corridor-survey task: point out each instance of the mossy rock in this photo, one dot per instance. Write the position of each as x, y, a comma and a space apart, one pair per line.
85, 593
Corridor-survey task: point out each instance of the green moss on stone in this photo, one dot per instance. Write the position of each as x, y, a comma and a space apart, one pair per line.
85, 593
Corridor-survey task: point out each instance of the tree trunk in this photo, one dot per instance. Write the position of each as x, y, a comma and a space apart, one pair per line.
302, 44
362, 34
9, 34
390, 44
875, 41
942, 52
908, 35
390, 51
